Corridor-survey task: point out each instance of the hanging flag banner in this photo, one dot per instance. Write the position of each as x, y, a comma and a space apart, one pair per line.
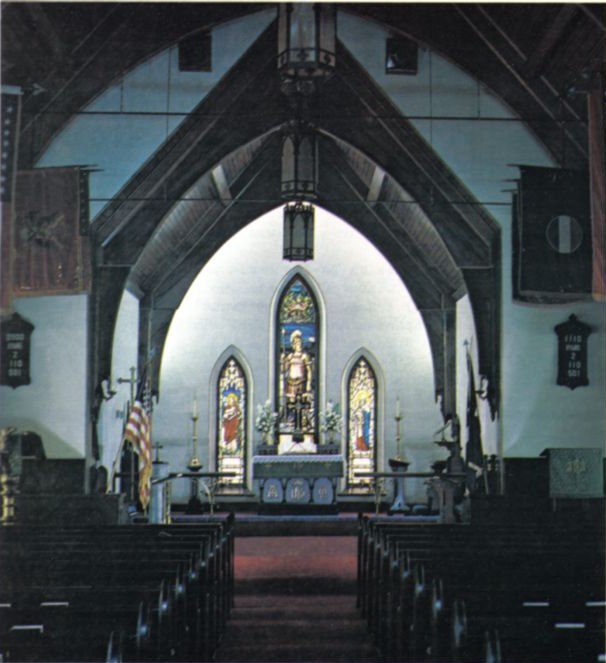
10, 109
551, 236
597, 176
51, 249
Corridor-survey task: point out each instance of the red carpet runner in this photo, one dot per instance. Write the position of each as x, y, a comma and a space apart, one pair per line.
295, 601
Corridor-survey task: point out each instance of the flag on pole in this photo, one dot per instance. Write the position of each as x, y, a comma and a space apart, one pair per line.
138, 433
474, 453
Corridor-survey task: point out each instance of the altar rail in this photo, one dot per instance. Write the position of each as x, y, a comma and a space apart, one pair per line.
463, 593
132, 593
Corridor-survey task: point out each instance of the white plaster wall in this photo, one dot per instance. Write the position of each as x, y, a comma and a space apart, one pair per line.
55, 404
230, 303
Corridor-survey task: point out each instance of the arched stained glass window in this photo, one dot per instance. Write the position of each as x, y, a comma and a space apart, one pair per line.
232, 406
297, 366
361, 423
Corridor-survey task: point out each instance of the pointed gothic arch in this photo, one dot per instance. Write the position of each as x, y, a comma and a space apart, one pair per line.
363, 396
297, 359
230, 416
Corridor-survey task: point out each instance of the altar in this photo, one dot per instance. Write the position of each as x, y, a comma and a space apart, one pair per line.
298, 480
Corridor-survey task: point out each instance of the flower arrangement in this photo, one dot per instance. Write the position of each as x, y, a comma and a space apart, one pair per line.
330, 419
265, 421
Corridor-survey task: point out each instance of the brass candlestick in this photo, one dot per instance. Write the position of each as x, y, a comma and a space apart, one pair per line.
194, 464
398, 418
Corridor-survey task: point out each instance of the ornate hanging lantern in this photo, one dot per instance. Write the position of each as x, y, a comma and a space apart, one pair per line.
299, 180
299, 164
306, 40
298, 231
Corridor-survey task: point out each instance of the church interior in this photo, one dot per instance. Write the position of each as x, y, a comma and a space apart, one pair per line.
214, 445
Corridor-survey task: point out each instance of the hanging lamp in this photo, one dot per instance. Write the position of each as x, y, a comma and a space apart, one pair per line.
306, 40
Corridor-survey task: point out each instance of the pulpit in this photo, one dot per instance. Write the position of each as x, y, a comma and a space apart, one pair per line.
298, 482
575, 472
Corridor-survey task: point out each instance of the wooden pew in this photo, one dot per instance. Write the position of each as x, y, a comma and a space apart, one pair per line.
420, 613
171, 603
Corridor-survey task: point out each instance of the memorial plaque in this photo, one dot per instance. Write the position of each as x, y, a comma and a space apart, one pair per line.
15, 335
572, 353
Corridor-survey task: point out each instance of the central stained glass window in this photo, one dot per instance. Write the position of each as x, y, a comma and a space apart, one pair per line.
297, 367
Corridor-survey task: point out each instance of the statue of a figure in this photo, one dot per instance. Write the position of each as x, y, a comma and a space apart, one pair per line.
296, 369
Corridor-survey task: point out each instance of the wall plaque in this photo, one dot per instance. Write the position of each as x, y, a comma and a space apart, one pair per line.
15, 335
572, 353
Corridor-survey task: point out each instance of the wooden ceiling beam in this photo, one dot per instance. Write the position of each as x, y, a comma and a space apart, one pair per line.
415, 269
549, 40
466, 35
134, 33
545, 98
213, 228
214, 129
362, 116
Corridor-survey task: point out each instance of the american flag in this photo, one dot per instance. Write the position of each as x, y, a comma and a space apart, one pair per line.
138, 433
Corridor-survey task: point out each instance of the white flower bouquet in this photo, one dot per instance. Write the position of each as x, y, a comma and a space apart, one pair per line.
331, 420
265, 421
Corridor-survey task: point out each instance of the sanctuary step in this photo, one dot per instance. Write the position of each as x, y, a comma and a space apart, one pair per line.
295, 601
296, 628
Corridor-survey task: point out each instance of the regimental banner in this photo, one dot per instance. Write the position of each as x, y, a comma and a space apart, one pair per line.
572, 353
551, 236
597, 178
51, 247
15, 336
10, 109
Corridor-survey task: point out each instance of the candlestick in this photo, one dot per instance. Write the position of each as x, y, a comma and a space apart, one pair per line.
194, 463
398, 418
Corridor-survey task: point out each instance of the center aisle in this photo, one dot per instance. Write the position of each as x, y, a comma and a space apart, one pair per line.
295, 601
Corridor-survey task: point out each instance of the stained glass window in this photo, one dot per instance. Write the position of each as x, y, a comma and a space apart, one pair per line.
361, 423
231, 424
297, 367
